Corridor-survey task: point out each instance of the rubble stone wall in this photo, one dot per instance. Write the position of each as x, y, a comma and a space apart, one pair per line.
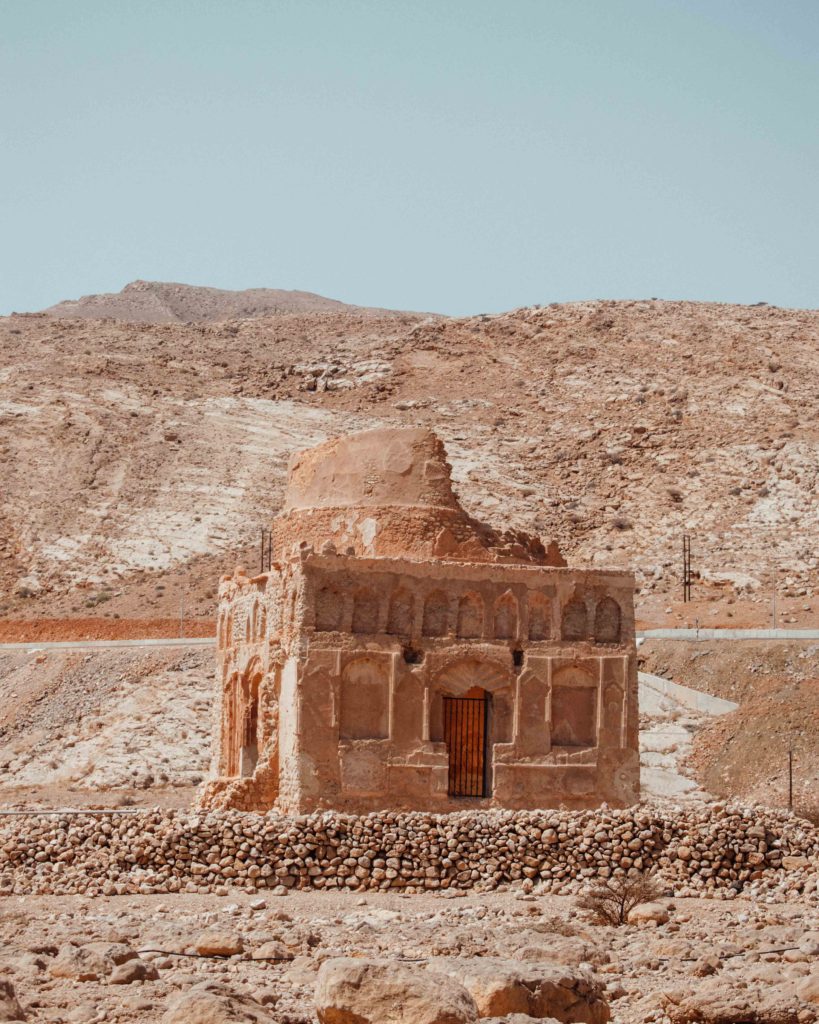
710, 851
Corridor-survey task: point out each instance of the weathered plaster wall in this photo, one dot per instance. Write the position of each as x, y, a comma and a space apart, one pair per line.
346, 671
366, 651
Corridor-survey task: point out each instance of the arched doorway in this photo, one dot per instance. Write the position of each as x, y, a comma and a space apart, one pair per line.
249, 726
466, 734
470, 711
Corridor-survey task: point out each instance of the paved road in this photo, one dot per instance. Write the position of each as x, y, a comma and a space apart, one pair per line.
654, 634
729, 634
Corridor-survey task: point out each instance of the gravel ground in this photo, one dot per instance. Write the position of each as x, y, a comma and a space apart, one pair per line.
637, 963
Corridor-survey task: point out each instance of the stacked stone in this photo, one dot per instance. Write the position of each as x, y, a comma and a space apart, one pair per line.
711, 851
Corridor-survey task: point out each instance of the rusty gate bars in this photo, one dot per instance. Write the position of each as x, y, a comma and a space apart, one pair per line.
465, 732
267, 538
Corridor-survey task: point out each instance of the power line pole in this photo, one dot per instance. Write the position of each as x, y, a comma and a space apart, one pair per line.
773, 601
686, 567
790, 779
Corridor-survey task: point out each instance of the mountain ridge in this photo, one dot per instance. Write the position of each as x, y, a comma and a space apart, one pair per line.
158, 302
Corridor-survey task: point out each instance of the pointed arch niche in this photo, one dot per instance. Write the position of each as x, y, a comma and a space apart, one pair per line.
506, 616
574, 707
470, 616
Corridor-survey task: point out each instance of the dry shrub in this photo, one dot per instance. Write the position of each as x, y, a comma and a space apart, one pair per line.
610, 900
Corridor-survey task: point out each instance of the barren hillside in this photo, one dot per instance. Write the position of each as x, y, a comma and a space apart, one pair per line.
139, 460
745, 753
105, 727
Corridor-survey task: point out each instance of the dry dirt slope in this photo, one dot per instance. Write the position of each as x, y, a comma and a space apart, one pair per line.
745, 753
137, 459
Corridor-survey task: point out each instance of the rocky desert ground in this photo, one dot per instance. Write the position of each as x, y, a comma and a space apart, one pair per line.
144, 439
476, 929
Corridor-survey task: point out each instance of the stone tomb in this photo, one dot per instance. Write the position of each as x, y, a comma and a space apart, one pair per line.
400, 654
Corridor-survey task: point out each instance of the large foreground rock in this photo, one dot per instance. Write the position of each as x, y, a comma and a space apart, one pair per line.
351, 991
719, 1001
218, 942
212, 1003
500, 987
81, 963
519, 1018
10, 1008
808, 988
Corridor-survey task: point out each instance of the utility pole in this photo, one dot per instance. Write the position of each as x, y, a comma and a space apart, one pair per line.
181, 615
790, 778
686, 567
773, 601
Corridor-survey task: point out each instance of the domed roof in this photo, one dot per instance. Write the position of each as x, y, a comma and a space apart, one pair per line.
387, 493
400, 466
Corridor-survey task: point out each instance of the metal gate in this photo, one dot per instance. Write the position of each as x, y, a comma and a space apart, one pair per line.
466, 721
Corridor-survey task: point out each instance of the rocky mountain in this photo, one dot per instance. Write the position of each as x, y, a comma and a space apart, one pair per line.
159, 302
139, 460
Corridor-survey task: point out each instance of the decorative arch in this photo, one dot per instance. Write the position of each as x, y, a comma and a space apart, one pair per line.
365, 611
240, 720
248, 723
533, 717
574, 623
329, 608
399, 618
607, 618
459, 676
364, 711
506, 616
230, 712
574, 710
473, 723
540, 617
436, 614
470, 616
465, 675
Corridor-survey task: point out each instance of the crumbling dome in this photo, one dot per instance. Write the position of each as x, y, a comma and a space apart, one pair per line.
387, 494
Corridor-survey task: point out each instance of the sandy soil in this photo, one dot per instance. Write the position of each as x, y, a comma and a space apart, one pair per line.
106, 728
44, 630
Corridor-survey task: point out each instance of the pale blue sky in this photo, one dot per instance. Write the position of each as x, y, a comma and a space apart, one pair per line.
450, 155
